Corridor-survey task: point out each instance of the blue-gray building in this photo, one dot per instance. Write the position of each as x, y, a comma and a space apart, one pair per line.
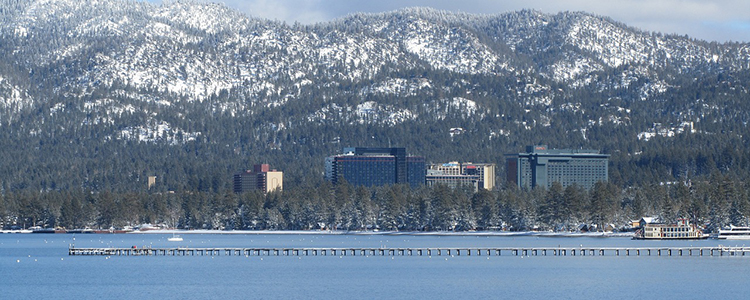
540, 166
376, 167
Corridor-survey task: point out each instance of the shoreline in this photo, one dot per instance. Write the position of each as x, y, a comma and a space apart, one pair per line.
397, 233
384, 233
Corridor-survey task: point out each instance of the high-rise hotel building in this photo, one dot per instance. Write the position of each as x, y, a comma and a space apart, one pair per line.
262, 178
375, 167
540, 166
453, 174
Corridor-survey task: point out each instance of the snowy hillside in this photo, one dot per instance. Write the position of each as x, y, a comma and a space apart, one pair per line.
194, 73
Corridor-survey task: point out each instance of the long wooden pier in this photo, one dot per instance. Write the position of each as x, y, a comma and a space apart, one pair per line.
506, 251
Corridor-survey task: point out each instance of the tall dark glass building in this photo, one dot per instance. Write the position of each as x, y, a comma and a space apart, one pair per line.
375, 167
540, 166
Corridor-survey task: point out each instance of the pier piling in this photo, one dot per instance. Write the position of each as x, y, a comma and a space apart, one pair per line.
514, 251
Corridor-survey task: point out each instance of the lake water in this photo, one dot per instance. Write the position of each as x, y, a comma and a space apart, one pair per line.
36, 266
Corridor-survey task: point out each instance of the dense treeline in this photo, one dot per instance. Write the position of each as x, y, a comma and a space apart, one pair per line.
717, 202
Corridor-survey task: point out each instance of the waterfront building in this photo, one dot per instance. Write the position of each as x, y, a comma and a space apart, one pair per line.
453, 174
375, 167
540, 166
262, 178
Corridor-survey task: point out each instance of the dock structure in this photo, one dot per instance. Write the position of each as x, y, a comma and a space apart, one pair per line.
505, 251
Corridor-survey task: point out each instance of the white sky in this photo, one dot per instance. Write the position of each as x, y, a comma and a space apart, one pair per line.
711, 20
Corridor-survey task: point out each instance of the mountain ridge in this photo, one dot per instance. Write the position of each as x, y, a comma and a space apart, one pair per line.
195, 75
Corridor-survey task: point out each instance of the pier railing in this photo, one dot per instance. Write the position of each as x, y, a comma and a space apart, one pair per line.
504, 251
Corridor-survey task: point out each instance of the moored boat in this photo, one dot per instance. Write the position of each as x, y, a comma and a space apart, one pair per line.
683, 230
48, 230
175, 238
734, 233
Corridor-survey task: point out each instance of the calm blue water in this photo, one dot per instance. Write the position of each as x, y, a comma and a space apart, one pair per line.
37, 266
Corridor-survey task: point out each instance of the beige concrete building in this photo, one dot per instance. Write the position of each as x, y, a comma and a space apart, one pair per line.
478, 175
151, 181
262, 177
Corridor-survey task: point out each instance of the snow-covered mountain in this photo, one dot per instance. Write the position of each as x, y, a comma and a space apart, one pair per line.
125, 70
195, 50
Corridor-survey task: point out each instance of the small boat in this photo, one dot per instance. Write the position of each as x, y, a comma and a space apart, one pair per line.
48, 230
175, 238
734, 233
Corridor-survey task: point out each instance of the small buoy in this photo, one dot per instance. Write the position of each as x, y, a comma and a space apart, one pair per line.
62, 258
18, 260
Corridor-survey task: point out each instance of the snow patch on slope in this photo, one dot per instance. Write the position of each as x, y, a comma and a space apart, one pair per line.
156, 132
